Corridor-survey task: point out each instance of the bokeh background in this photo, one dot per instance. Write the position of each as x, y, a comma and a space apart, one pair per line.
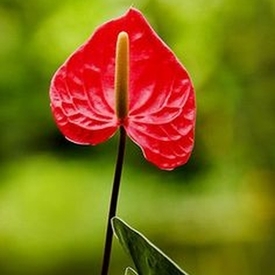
213, 216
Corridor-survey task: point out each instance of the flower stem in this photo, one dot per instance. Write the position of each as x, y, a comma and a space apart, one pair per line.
113, 203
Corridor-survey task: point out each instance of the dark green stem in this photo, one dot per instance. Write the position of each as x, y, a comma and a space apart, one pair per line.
113, 203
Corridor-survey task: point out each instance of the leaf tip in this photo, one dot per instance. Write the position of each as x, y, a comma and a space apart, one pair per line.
130, 271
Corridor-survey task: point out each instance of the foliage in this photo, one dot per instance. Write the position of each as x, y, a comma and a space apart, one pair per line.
147, 258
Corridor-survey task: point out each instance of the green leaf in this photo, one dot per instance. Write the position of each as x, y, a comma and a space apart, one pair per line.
148, 259
130, 271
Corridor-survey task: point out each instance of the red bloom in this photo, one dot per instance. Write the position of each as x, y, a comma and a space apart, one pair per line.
160, 115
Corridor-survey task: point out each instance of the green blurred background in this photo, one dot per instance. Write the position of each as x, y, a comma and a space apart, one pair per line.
213, 216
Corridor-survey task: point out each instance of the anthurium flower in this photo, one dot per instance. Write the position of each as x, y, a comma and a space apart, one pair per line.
155, 102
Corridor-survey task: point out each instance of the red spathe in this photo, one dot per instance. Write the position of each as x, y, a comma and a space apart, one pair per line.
161, 117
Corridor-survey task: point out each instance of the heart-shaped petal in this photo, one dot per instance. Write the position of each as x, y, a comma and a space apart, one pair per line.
161, 113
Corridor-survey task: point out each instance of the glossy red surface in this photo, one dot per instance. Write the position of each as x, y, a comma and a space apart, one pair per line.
161, 116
